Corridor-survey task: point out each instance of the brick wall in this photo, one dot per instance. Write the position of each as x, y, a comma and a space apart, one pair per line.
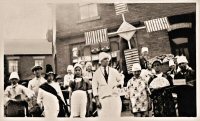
26, 62
70, 30
68, 18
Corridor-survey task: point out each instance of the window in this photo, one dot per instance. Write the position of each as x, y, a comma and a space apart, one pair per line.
88, 11
13, 66
39, 62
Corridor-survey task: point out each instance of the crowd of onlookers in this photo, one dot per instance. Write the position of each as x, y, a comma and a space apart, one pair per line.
85, 93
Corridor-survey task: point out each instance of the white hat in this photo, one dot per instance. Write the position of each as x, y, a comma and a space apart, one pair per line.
177, 56
136, 67
156, 60
70, 67
182, 59
14, 75
78, 65
171, 63
144, 49
36, 67
103, 55
88, 64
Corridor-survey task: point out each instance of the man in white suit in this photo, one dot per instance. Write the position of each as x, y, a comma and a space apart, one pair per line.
106, 83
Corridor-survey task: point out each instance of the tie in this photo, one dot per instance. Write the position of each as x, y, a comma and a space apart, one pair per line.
105, 74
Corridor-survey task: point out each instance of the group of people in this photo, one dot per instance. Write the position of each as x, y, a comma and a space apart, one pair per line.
151, 92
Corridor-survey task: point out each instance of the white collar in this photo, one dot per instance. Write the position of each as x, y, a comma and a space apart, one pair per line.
13, 86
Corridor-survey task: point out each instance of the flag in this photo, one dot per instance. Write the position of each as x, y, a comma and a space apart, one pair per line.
125, 26
157, 24
120, 8
131, 57
97, 36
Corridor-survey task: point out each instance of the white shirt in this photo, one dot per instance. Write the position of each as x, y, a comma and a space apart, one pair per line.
12, 91
56, 86
145, 74
67, 79
49, 101
35, 83
102, 88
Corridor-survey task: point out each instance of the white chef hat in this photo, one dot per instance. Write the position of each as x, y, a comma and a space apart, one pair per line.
88, 64
171, 63
103, 55
70, 67
136, 67
14, 75
78, 65
177, 56
144, 49
35, 67
182, 59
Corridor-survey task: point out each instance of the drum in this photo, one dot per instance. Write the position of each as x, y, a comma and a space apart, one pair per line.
15, 109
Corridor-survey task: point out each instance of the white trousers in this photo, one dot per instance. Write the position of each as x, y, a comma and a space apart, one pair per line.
111, 107
51, 113
78, 103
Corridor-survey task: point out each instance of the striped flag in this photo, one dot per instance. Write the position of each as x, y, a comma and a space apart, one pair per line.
157, 24
131, 57
120, 8
97, 36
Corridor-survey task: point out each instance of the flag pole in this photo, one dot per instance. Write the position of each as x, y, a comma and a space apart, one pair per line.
54, 36
115, 33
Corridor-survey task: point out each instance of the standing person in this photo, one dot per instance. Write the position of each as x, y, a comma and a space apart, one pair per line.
83, 64
16, 94
69, 76
78, 93
147, 73
144, 57
163, 103
138, 93
50, 98
37, 80
88, 73
105, 85
172, 68
59, 81
186, 94
34, 86
91, 106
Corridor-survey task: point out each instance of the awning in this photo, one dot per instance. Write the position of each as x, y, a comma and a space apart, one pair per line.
21, 47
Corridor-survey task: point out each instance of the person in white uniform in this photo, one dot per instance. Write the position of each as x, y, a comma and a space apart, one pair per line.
105, 86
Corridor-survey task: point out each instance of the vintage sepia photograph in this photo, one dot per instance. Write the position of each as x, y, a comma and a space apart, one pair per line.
100, 60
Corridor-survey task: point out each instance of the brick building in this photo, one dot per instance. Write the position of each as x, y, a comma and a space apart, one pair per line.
21, 57
72, 20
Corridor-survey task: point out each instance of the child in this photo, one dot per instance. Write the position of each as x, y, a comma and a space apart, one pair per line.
138, 93
69, 76
16, 94
78, 93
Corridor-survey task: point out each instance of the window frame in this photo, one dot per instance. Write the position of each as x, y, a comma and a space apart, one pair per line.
90, 18
15, 66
